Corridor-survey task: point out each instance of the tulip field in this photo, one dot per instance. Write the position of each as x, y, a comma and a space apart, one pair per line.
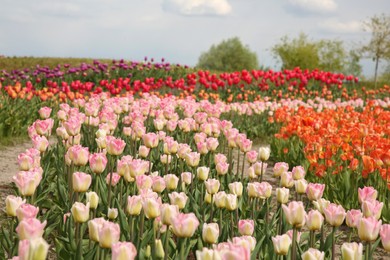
158, 161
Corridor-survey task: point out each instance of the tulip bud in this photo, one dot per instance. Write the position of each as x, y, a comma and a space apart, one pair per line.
300, 186
313, 254
236, 188
109, 234
314, 220
295, 213
246, 227
93, 199
281, 244
207, 254
134, 205
334, 214
282, 195
212, 186
80, 212
203, 173
368, 229
385, 237
210, 233
112, 213
159, 249
264, 153
352, 251
12, 203
207, 197
171, 181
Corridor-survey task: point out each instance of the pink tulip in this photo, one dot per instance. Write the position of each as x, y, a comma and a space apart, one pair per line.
220, 158
171, 125
281, 244
206, 254
298, 172
315, 191
78, 155
321, 204
158, 184
367, 193
236, 188
385, 236
229, 250
286, 180
212, 186
264, 190
97, 162
144, 182
251, 156
165, 158
134, 205
44, 112
94, 226
81, 181
185, 225
200, 137
314, 254
210, 233
143, 151
372, 208
114, 180
295, 213
353, 217
44, 127
138, 167
27, 182
183, 150
186, 177
246, 227
334, 214
36, 248
202, 148
25, 161
168, 212
109, 234
73, 126
260, 168
12, 203
115, 146
80, 212
30, 228
150, 140
40, 143
314, 220
282, 195
151, 207
222, 168
352, 251
179, 199
26, 211
212, 144
123, 251
246, 241
36, 155
368, 229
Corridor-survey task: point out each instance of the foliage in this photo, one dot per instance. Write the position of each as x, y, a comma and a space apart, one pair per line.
378, 47
327, 55
229, 55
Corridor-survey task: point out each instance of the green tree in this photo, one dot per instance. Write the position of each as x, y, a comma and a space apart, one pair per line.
230, 55
298, 52
327, 55
379, 46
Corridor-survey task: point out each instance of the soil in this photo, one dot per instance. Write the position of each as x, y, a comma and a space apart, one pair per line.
9, 167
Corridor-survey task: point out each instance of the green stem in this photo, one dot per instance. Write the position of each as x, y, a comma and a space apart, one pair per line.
243, 167
238, 161
211, 209
261, 172
312, 240
166, 240
368, 251
294, 245
280, 220
333, 243
182, 248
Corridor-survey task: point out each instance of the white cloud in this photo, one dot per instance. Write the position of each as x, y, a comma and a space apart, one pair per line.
313, 6
198, 7
336, 26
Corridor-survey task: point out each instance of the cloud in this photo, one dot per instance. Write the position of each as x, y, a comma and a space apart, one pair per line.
311, 6
197, 7
336, 26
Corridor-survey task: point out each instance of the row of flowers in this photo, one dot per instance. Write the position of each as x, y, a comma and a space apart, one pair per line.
236, 86
169, 178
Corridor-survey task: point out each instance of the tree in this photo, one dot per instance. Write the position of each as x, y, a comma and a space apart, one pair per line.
379, 46
230, 55
327, 55
298, 52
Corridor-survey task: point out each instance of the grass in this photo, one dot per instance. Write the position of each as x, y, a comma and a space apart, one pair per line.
15, 63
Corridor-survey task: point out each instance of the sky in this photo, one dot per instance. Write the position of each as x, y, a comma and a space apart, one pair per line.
177, 30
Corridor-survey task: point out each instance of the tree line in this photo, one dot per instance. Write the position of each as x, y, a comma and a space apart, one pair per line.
328, 55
